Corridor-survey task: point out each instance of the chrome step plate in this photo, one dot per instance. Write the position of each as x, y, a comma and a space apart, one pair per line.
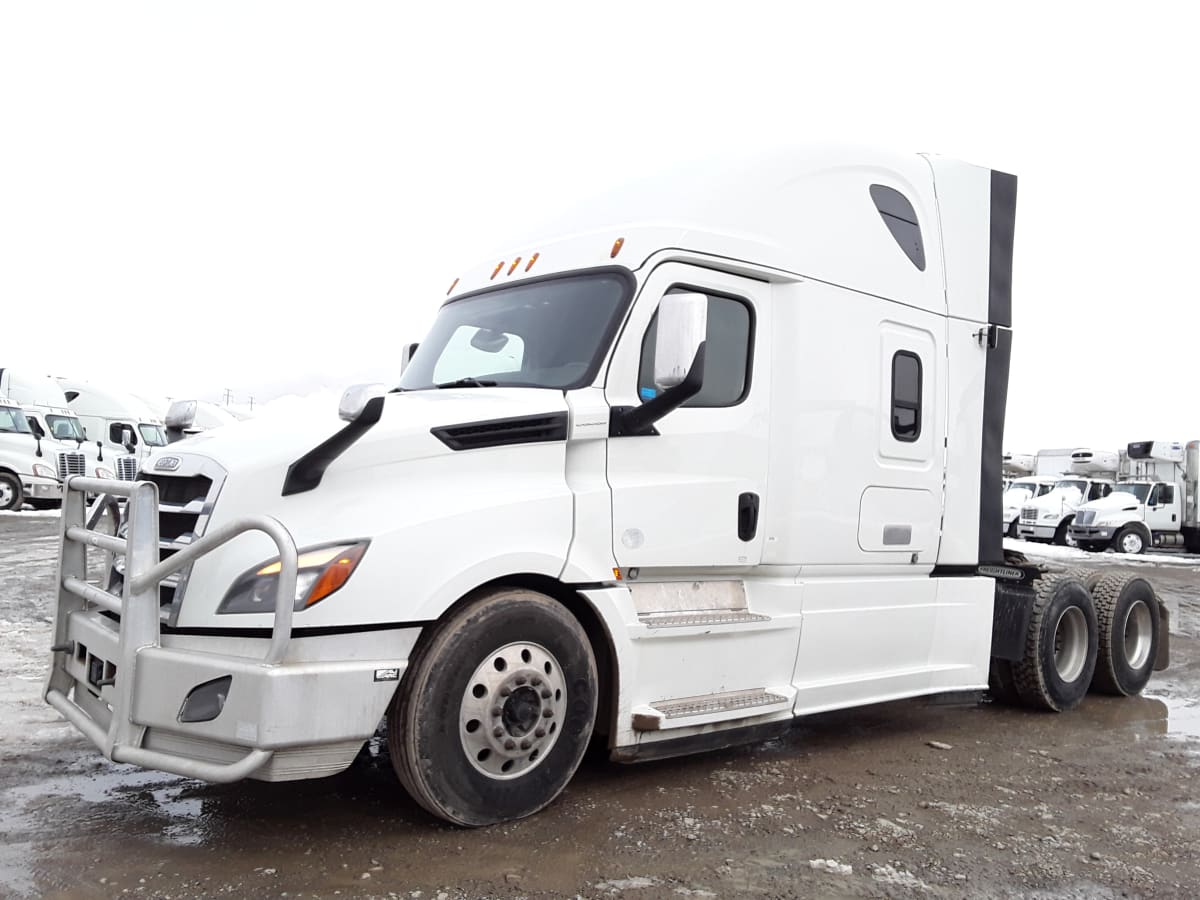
702, 617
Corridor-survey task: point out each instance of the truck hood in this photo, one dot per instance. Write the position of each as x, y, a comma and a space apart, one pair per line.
1117, 500
1056, 500
282, 435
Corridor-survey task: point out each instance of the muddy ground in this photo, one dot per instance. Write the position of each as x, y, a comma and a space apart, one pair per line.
1101, 802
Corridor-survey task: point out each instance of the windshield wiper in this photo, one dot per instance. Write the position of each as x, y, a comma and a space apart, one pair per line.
466, 382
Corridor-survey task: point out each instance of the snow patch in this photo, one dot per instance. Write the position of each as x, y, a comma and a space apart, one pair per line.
832, 866
1075, 555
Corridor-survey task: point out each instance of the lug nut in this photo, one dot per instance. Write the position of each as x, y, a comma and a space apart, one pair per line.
541, 732
520, 680
497, 731
548, 713
505, 691
545, 693
535, 681
496, 710
510, 744
525, 744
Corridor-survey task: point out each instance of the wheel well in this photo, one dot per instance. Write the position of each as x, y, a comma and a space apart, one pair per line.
593, 627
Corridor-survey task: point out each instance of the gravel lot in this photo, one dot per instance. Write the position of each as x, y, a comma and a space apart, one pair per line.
1100, 802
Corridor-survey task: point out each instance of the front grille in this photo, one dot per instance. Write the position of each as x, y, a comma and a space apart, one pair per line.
1085, 517
71, 464
1029, 515
180, 491
127, 468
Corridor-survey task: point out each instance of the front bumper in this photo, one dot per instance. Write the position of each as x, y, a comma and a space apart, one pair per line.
1094, 534
313, 711
38, 488
1036, 532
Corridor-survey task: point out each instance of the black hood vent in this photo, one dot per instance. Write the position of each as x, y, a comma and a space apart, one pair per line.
502, 432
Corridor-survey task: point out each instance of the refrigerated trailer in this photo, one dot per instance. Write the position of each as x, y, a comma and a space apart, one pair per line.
721, 455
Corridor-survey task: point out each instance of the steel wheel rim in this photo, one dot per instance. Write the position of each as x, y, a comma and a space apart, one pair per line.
1070, 643
1132, 543
512, 710
7, 494
1138, 635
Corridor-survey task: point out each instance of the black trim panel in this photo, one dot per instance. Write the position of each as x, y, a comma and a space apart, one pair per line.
320, 631
700, 743
503, 432
1003, 221
1012, 610
991, 461
306, 472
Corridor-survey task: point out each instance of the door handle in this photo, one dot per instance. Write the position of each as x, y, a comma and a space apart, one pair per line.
747, 516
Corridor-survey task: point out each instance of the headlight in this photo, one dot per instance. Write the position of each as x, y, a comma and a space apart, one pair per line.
44, 471
320, 572
102, 472
1049, 515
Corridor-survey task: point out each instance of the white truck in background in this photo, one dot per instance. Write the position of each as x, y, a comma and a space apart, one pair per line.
722, 455
1047, 517
119, 422
27, 473
1153, 505
1019, 492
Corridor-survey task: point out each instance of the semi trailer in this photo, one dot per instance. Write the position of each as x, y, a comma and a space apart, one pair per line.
720, 454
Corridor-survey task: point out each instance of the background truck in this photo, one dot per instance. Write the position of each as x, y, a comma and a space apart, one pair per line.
120, 422
719, 454
1155, 505
1019, 492
27, 473
1047, 517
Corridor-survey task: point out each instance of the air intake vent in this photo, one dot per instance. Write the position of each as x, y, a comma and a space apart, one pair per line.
71, 464
501, 432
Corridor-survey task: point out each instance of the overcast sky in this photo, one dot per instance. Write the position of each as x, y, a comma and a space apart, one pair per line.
274, 197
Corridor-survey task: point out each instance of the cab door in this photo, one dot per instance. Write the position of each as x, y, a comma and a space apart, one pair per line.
693, 495
1162, 508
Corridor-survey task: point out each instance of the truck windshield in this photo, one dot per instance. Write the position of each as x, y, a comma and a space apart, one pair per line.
152, 435
1141, 491
1070, 484
64, 428
13, 421
548, 334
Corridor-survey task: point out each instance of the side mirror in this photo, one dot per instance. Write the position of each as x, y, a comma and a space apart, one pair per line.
406, 355
36, 427
127, 439
356, 399
682, 325
678, 364
181, 415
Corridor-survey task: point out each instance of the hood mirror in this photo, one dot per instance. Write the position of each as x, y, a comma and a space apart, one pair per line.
356, 398
181, 415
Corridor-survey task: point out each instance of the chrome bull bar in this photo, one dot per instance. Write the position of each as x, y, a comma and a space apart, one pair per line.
138, 607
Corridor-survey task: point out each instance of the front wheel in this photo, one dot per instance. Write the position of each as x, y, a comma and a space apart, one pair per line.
11, 494
1130, 540
496, 709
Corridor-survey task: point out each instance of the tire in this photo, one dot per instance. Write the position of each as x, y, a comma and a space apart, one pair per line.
1130, 539
519, 666
1127, 613
12, 495
1090, 578
44, 504
1061, 535
1060, 646
1000, 683
1090, 546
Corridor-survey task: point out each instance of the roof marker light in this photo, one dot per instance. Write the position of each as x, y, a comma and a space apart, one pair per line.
496, 271
617, 245
532, 260
452, 287
513, 267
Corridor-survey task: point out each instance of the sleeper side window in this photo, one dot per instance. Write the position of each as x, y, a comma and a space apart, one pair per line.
906, 396
726, 354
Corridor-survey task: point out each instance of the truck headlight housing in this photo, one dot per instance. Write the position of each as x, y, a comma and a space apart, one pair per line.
44, 471
1049, 515
321, 571
102, 472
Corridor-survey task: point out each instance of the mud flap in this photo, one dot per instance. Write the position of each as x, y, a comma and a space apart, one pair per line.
1163, 658
1010, 621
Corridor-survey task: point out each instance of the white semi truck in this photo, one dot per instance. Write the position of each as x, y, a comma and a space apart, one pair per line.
721, 456
1047, 517
1154, 505
1018, 493
120, 422
27, 473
